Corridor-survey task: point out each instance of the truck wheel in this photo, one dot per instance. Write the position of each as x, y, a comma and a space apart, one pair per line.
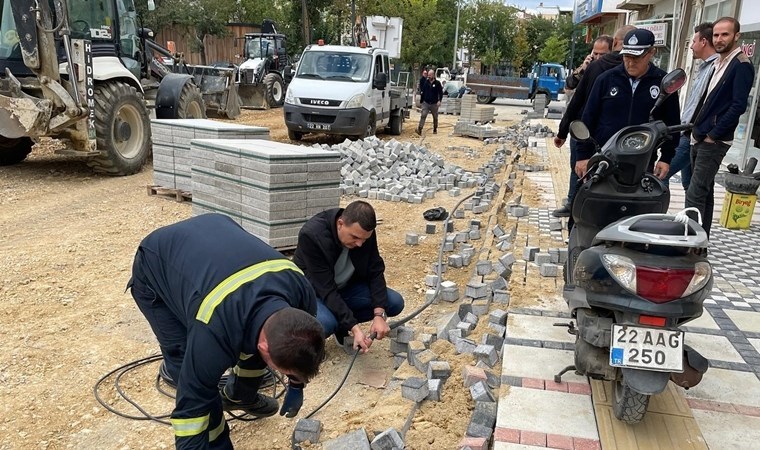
191, 104
275, 91
13, 151
628, 405
294, 135
483, 99
491, 100
122, 129
371, 127
396, 124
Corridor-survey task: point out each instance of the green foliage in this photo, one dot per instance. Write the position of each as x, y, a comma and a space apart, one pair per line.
489, 29
522, 52
555, 50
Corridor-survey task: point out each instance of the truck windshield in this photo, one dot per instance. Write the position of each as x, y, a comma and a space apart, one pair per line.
259, 47
9, 46
339, 66
92, 19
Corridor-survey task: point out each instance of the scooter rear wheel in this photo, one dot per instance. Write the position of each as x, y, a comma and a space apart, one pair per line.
628, 405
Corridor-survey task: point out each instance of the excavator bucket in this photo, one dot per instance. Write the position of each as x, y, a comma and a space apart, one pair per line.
22, 115
253, 96
217, 85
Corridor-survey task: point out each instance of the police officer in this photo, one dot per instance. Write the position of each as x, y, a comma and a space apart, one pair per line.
216, 298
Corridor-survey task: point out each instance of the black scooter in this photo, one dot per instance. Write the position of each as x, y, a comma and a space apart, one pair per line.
634, 274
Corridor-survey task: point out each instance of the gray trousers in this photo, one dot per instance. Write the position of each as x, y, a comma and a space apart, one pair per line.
433, 109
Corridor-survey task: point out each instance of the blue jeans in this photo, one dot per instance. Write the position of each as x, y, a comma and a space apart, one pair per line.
705, 163
681, 162
358, 299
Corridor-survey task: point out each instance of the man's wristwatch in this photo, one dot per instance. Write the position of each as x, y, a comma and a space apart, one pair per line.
382, 314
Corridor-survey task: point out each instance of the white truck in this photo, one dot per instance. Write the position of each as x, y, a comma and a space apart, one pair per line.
345, 90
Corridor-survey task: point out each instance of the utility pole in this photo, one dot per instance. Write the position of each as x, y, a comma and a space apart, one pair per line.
353, 22
305, 20
456, 38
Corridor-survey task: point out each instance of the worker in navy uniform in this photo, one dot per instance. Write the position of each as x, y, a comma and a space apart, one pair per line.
217, 298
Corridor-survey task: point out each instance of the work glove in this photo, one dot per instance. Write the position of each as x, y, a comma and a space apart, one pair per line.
293, 400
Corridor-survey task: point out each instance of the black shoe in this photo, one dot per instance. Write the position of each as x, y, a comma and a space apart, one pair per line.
164, 374
418, 130
262, 406
561, 212
435, 131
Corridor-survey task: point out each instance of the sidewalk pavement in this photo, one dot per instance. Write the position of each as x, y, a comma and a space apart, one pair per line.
722, 412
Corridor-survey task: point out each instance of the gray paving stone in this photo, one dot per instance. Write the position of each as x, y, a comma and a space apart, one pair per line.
415, 389
387, 440
307, 430
355, 440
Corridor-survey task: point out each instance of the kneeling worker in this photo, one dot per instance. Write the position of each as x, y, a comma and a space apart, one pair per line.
337, 251
217, 297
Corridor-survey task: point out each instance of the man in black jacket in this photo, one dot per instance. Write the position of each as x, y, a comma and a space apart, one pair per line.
337, 250
715, 122
431, 95
601, 46
575, 108
216, 298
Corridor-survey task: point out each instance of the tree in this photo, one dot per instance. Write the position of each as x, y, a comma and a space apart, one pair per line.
522, 53
489, 28
198, 18
555, 50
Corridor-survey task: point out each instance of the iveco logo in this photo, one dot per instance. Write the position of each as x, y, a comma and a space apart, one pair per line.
319, 102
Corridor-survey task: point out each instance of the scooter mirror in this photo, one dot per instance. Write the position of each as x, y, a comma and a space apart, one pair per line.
579, 131
673, 81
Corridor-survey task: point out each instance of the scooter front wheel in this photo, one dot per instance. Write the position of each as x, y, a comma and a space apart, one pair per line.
628, 405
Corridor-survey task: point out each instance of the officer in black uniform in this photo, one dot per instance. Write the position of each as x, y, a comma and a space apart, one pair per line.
216, 298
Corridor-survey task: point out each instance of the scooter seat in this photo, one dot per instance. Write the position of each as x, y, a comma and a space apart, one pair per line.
662, 227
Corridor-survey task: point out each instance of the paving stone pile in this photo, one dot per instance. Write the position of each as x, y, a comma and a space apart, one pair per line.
396, 171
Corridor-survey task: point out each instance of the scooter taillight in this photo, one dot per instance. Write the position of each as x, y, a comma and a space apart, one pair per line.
657, 284
661, 285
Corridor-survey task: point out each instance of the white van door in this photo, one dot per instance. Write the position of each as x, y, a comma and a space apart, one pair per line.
379, 97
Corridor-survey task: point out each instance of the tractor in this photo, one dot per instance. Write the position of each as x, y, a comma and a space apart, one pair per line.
83, 72
264, 74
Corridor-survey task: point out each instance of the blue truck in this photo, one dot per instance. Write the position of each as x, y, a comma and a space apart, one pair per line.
547, 79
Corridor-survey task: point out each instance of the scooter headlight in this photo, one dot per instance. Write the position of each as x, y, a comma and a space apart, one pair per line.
289, 98
622, 269
356, 101
702, 274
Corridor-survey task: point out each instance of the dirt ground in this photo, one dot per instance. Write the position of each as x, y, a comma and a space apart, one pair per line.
68, 238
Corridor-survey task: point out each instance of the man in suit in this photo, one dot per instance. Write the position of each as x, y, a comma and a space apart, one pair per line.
716, 119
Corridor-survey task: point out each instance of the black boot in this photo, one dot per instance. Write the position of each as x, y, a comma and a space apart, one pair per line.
564, 211
261, 406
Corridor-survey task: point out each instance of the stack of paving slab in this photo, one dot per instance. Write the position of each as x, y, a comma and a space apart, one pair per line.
171, 146
268, 187
472, 112
450, 106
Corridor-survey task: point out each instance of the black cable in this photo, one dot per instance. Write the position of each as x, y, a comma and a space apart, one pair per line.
122, 370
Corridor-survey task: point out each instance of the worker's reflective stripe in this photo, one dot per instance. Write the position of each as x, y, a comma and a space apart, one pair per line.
234, 281
248, 373
244, 356
190, 427
213, 434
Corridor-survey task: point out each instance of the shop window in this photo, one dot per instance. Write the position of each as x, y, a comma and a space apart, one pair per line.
716, 9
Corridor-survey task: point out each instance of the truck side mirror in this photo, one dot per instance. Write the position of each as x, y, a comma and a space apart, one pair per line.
287, 73
151, 5
381, 80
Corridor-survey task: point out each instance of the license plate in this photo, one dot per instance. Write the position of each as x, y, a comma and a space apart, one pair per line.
647, 348
318, 126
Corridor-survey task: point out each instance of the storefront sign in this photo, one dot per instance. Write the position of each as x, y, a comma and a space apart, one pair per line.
749, 49
660, 31
586, 9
